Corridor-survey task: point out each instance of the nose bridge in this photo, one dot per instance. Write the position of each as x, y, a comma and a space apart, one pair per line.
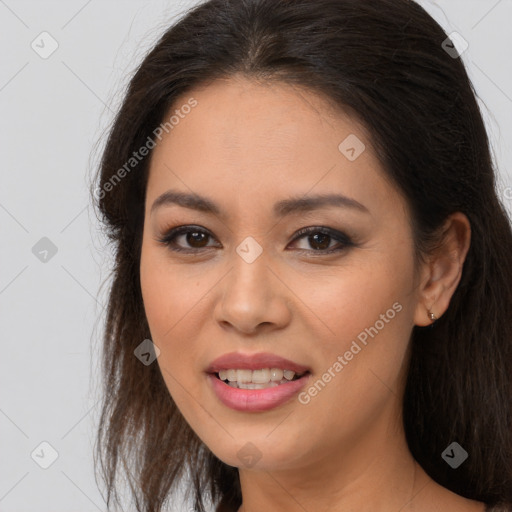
251, 293
249, 279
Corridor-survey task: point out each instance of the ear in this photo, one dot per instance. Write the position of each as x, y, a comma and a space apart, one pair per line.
441, 274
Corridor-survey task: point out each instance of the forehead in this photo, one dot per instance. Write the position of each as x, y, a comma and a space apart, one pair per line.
259, 121
250, 142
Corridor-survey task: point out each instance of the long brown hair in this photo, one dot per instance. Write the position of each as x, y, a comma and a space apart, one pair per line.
386, 62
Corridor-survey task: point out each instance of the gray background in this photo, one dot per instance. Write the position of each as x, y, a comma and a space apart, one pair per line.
53, 112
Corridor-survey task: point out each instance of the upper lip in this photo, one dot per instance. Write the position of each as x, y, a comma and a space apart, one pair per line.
238, 360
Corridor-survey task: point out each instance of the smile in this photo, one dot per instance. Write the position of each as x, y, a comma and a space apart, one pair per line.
253, 396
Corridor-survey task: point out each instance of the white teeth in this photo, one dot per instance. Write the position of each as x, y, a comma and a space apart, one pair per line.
276, 374
244, 376
257, 377
261, 376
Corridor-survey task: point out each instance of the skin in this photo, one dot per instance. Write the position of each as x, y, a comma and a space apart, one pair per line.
246, 146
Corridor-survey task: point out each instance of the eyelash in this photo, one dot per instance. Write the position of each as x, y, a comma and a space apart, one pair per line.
169, 239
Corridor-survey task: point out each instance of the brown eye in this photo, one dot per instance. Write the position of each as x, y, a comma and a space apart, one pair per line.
319, 241
186, 239
196, 239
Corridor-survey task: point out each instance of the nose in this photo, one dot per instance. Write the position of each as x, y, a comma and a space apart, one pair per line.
252, 297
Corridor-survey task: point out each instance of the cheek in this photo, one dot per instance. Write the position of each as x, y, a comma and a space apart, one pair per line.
169, 294
368, 318
353, 299
175, 312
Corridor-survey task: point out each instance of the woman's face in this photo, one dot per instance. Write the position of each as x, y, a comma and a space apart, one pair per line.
339, 300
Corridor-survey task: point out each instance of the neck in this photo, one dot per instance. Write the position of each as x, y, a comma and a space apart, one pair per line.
374, 472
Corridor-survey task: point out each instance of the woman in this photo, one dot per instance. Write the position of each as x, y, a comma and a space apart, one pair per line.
311, 302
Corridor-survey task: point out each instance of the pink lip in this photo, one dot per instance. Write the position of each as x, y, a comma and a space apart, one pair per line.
237, 360
256, 400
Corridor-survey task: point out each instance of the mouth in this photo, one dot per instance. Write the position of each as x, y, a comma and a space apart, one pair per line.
245, 395
255, 382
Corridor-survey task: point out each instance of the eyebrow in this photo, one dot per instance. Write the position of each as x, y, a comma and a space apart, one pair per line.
281, 208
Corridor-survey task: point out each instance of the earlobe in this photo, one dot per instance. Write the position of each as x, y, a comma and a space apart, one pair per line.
428, 311
432, 317
443, 271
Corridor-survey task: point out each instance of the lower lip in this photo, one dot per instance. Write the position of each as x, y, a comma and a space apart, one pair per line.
256, 400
